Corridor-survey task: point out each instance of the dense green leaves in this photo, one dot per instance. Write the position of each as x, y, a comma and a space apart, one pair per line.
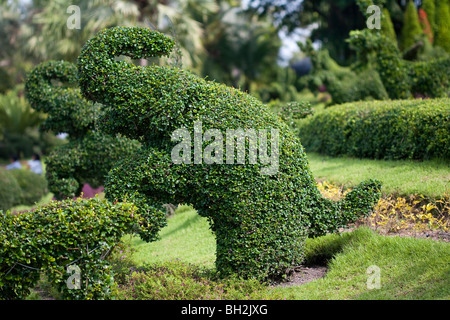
401, 78
260, 221
60, 234
33, 186
52, 87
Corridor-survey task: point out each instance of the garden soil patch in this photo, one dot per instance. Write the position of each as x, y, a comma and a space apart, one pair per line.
304, 274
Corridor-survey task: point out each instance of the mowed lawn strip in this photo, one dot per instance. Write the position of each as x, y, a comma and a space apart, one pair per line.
409, 268
402, 177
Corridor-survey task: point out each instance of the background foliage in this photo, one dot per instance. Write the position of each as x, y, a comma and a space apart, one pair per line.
89, 154
233, 45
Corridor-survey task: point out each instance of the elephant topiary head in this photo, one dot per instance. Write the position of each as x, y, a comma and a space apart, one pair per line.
52, 87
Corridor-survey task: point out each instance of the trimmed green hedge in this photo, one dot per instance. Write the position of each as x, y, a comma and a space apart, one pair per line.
61, 234
392, 129
260, 221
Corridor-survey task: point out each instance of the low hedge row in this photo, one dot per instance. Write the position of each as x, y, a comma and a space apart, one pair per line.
391, 129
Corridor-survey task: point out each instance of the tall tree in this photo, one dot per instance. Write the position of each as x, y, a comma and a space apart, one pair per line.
429, 7
331, 20
387, 28
411, 27
442, 38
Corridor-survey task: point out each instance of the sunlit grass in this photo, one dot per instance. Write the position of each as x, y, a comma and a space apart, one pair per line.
187, 237
403, 177
409, 268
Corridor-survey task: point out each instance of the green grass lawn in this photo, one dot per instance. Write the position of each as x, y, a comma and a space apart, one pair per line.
403, 177
187, 237
410, 268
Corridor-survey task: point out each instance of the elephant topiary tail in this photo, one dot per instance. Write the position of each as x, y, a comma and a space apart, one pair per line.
330, 215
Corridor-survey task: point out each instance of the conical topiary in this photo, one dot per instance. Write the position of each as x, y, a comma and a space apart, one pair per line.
442, 38
387, 28
430, 9
411, 27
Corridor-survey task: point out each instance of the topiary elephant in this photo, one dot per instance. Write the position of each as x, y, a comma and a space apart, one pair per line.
260, 211
52, 87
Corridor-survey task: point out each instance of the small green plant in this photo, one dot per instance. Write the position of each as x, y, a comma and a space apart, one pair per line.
122, 261
52, 238
176, 280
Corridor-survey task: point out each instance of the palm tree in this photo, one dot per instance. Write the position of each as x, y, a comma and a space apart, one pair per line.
48, 36
18, 124
243, 46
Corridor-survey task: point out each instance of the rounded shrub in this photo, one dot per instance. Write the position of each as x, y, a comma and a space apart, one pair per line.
10, 191
260, 212
52, 87
34, 186
391, 129
78, 233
